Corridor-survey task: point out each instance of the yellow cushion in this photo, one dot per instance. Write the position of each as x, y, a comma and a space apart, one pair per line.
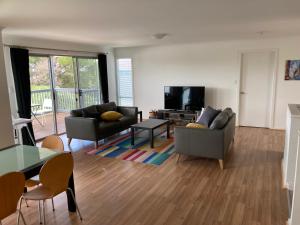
195, 125
111, 116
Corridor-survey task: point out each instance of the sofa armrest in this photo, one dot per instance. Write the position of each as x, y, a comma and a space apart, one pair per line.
199, 142
81, 128
128, 110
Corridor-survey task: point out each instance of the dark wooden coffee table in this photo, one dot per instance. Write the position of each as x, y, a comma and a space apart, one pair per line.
151, 125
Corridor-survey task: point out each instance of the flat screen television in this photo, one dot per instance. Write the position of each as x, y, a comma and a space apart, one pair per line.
189, 98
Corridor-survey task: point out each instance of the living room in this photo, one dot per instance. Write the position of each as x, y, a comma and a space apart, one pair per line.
242, 57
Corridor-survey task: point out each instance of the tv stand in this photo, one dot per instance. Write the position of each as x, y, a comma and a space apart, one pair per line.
177, 117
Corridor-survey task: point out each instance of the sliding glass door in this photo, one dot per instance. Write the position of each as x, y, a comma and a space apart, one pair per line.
60, 84
64, 87
42, 109
88, 81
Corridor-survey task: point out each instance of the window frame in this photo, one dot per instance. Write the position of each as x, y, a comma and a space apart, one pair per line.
118, 81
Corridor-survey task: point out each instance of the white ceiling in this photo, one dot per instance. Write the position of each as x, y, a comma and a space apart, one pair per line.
133, 22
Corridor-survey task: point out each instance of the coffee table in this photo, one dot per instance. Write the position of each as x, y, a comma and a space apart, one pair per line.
151, 125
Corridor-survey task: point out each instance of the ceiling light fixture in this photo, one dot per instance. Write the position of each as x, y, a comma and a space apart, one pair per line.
261, 33
160, 36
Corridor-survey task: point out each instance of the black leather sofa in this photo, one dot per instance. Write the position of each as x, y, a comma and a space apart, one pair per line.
79, 126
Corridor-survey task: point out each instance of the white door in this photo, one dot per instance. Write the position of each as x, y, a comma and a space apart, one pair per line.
255, 90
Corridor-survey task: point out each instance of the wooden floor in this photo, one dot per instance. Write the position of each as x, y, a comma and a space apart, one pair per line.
192, 192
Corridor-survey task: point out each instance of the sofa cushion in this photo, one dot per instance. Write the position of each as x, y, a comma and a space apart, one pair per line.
220, 121
111, 116
228, 111
126, 121
79, 112
88, 114
195, 125
111, 106
90, 109
208, 116
76, 112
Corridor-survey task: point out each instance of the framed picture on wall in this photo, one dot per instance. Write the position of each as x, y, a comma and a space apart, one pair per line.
292, 70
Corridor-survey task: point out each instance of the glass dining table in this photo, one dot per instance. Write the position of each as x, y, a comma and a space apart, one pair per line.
29, 160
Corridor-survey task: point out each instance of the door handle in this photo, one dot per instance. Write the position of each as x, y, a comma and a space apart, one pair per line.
242, 93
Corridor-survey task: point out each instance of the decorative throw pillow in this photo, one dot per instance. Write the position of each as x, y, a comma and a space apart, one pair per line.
195, 125
208, 116
111, 116
220, 121
199, 113
228, 111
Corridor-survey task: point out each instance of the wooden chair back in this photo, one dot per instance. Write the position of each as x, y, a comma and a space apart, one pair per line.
11, 189
56, 172
53, 142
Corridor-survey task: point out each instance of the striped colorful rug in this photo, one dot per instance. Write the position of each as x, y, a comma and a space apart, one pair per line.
120, 147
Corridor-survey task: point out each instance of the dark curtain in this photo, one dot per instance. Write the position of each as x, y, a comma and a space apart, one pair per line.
102, 63
20, 68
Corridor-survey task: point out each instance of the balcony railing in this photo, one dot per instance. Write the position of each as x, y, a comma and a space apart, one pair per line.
66, 98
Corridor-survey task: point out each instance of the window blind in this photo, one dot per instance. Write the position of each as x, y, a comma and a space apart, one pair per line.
125, 86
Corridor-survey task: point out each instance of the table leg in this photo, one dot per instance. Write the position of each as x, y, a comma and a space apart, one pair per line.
151, 138
71, 203
168, 130
30, 135
132, 135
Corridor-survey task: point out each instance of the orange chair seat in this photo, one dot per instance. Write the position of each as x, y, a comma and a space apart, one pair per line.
39, 193
32, 182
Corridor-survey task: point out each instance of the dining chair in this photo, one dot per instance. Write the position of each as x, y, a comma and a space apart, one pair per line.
54, 178
51, 142
11, 189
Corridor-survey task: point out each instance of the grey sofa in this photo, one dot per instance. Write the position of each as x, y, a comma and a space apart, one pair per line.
207, 142
86, 124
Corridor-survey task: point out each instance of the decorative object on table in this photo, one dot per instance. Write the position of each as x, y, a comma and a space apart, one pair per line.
120, 148
292, 70
152, 114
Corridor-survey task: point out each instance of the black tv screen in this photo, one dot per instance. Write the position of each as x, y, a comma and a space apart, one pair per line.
184, 98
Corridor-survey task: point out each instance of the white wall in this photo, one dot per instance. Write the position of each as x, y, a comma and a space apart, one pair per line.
6, 130
214, 65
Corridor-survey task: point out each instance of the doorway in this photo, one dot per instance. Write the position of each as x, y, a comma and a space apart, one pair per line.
60, 84
257, 84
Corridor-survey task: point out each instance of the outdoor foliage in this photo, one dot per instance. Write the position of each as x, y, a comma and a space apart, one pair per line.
64, 80
63, 72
